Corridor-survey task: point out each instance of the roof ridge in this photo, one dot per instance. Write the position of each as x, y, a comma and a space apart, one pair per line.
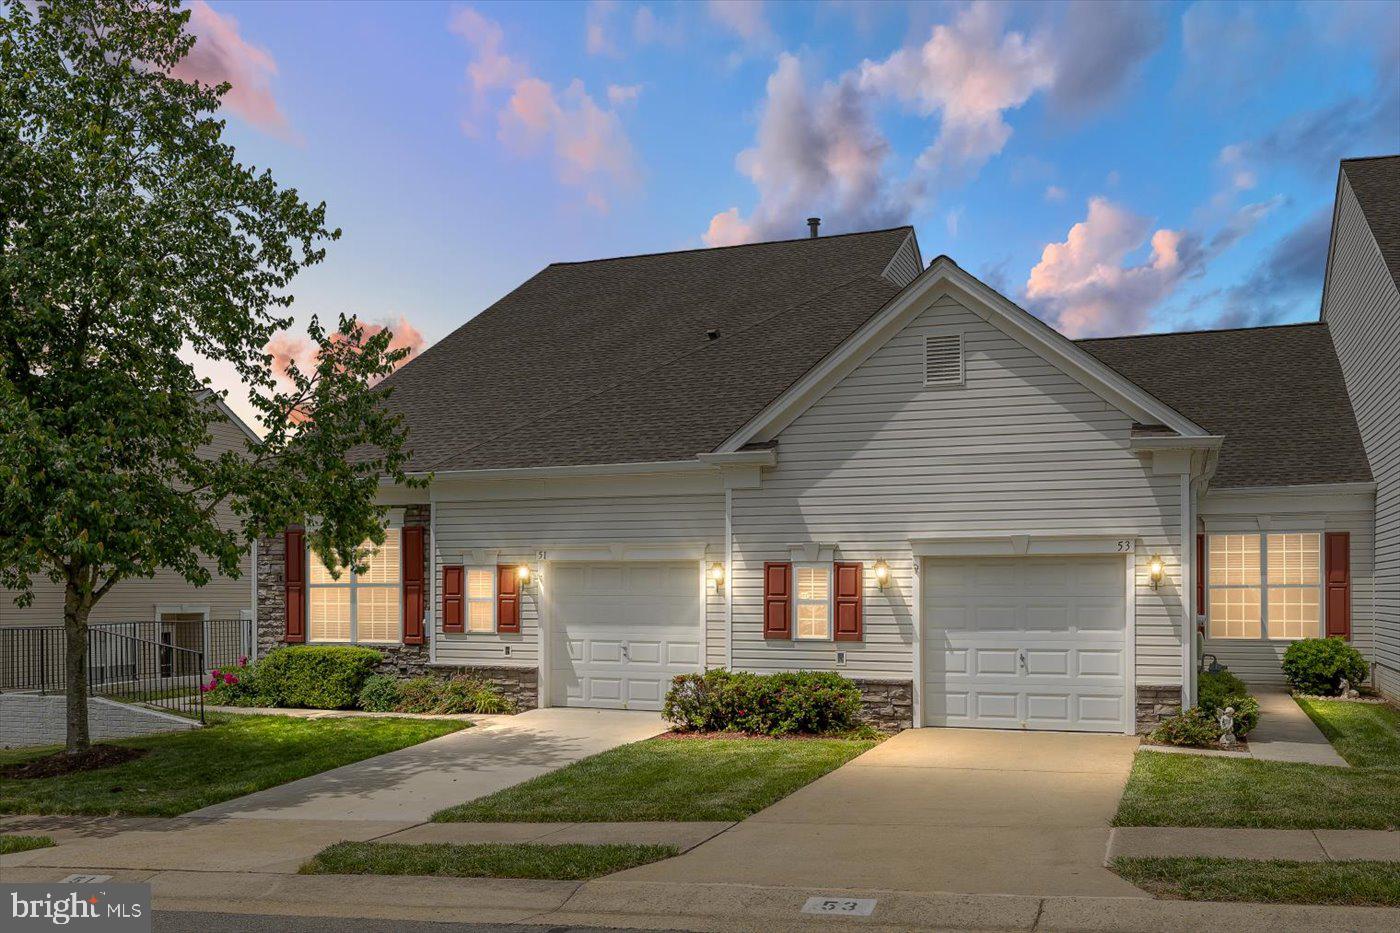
1394, 155
699, 348
713, 249
1204, 330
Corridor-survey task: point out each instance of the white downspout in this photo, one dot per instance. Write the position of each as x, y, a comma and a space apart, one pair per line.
1188, 595
728, 578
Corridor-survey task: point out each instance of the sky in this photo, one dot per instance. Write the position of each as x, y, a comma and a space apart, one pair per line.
1115, 168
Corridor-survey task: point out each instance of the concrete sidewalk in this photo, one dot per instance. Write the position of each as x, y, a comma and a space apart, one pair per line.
935, 810
409, 785
620, 904
1286, 733
1294, 845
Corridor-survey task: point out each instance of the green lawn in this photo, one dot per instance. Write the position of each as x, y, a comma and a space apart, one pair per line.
12, 844
1367, 735
1194, 790
485, 860
1360, 884
233, 756
665, 779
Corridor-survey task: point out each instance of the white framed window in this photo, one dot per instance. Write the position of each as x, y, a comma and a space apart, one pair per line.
812, 603
357, 607
1264, 586
481, 599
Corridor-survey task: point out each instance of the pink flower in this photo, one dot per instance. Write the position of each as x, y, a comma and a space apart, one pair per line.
243, 661
230, 679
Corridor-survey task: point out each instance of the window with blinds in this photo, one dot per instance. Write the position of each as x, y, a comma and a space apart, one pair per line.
347, 607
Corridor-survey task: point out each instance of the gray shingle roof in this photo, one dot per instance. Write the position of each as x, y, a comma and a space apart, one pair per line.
609, 361
1276, 393
1376, 184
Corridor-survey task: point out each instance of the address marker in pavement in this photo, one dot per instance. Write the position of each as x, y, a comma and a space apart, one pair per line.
840, 906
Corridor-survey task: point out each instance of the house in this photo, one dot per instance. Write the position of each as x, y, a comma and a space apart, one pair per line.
175, 610
825, 454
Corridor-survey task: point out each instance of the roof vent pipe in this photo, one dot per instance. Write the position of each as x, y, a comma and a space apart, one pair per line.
812, 224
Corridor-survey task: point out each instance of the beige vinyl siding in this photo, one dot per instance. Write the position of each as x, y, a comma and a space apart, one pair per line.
881, 459
1362, 311
904, 266
1260, 661
137, 599
521, 527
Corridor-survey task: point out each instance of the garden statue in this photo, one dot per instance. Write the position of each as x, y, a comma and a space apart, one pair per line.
1346, 691
1226, 721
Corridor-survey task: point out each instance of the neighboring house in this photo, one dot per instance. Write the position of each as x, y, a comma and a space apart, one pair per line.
820, 454
1361, 307
166, 596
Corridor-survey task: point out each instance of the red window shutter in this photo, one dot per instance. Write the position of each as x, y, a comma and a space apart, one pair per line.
412, 554
453, 597
777, 599
1339, 584
1200, 574
849, 604
294, 582
507, 599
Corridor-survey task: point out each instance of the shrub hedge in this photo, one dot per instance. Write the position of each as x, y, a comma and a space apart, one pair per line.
806, 702
1195, 728
1220, 689
1317, 665
458, 694
303, 676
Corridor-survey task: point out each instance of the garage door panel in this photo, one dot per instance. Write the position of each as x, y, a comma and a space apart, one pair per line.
622, 631
1045, 648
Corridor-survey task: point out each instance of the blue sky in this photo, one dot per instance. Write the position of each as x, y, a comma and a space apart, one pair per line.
1116, 168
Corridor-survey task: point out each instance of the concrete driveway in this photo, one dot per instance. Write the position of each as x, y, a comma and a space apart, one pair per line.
936, 810
411, 784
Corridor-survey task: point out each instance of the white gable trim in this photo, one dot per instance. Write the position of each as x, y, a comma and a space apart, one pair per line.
944, 276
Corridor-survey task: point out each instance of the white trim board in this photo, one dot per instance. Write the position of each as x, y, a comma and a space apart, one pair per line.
943, 276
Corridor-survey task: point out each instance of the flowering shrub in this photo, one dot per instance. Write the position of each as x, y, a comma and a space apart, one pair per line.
229, 686
803, 703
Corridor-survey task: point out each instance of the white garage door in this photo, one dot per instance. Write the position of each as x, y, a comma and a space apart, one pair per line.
621, 631
1025, 643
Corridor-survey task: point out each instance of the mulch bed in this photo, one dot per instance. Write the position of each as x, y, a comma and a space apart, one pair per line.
61, 763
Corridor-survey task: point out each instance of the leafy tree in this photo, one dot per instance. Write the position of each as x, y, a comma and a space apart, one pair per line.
128, 231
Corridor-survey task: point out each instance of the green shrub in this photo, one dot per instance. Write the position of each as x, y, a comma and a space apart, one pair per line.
314, 676
461, 693
802, 703
1195, 728
1317, 665
380, 694
1221, 689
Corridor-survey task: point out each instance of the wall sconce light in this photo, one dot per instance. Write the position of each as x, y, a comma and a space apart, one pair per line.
717, 575
882, 573
522, 574
1154, 570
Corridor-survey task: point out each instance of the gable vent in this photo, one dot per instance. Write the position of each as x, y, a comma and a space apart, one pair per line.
943, 360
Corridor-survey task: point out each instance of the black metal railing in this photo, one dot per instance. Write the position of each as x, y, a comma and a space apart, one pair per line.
130, 669
163, 663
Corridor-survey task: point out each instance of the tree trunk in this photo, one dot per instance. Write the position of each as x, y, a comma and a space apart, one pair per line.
75, 630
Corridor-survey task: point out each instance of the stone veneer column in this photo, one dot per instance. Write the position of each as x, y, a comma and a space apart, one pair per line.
1155, 704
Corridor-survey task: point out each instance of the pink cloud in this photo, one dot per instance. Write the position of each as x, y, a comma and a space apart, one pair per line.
590, 146
221, 54
1085, 285
286, 349
727, 228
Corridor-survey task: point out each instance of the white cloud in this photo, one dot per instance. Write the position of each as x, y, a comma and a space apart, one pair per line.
817, 152
620, 94
1055, 193
745, 18
597, 27
649, 29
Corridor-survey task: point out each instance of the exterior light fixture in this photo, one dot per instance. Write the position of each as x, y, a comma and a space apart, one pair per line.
882, 573
1154, 570
717, 575
522, 573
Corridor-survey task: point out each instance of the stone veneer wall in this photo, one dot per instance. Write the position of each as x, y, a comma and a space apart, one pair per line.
888, 705
1155, 704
